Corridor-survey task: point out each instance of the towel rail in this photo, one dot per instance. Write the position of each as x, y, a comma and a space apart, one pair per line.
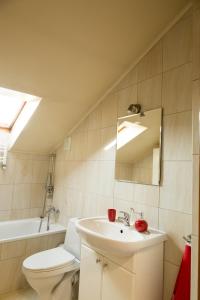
188, 238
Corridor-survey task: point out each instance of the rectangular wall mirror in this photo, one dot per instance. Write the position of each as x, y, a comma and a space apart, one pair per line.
138, 153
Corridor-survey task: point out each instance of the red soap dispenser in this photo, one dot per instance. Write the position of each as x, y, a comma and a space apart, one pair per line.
140, 224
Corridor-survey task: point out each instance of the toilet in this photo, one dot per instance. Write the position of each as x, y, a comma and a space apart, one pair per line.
52, 273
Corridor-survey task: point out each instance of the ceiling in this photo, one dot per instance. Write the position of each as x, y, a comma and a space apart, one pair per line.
70, 52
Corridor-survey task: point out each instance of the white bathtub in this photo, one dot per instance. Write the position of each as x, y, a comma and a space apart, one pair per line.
26, 229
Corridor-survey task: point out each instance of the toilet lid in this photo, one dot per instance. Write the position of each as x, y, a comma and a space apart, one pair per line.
49, 259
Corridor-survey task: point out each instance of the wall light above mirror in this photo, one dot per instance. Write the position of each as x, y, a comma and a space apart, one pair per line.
138, 153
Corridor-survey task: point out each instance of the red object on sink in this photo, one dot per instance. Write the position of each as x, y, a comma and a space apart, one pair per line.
141, 225
111, 214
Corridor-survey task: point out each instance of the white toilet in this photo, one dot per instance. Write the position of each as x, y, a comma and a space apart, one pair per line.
51, 272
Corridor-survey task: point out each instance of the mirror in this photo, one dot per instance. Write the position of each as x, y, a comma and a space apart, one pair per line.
138, 153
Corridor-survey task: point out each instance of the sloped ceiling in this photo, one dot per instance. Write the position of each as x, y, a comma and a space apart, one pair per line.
70, 52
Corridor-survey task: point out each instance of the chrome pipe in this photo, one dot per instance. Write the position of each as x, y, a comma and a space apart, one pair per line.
49, 187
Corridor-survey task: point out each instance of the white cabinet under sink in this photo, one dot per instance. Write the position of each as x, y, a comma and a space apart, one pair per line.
117, 283
106, 277
119, 263
101, 279
91, 275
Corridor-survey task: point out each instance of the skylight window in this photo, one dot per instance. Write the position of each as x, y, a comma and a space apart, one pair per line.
11, 104
16, 109
9, 110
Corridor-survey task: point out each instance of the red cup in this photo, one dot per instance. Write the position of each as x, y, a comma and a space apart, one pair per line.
111, 214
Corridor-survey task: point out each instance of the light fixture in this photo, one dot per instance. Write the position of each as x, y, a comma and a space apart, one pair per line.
134, 109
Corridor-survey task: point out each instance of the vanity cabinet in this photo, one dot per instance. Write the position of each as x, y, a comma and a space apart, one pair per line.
102, 279
106, 277
90, 275
117, 283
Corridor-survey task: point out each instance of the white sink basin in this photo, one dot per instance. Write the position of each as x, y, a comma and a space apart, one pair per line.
116, 238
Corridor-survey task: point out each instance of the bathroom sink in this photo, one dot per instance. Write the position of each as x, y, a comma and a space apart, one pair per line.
116, 238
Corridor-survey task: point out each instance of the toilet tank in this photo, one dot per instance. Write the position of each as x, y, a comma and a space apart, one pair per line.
72, 240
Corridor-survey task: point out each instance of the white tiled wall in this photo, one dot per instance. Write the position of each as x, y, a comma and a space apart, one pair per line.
22, 186
85, 184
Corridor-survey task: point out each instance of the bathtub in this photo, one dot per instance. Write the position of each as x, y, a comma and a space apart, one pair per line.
20, 239
26, 228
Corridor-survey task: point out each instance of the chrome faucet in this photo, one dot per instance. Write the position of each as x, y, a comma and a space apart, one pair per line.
125, 219
49, 211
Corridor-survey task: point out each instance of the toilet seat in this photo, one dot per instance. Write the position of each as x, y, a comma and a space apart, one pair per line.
49, 260
50, 273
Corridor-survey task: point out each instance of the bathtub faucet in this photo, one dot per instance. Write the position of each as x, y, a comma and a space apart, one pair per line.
49, 211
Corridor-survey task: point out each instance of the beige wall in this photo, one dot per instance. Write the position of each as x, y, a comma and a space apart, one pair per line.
85, 184
22, 186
